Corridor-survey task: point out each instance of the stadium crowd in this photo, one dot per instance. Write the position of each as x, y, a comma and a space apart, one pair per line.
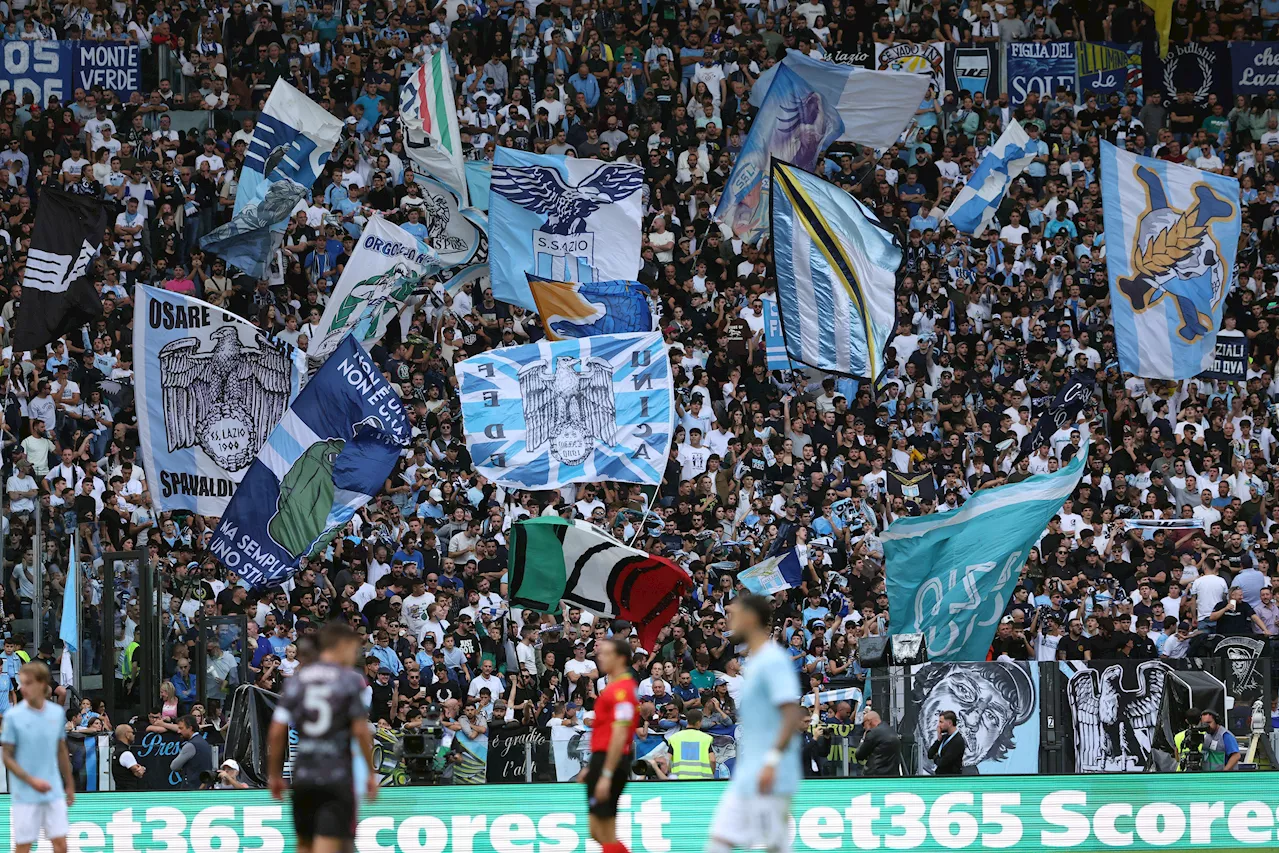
989, 330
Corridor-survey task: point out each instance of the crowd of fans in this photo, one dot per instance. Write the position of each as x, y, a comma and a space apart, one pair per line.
989, 329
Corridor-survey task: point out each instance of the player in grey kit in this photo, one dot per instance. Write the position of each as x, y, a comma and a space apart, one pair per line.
323, 701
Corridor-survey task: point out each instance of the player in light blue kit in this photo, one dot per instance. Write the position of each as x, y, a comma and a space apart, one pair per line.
755, 810
35, 754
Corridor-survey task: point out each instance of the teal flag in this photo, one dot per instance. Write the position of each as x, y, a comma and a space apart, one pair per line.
949, 575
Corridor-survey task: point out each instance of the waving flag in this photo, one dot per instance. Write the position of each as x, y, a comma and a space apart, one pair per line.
292, 140
1067, 406
381, 275
57, 294
250, 239
805, 105
974, 207
775, 574
210, 388
949, 575
329, 456
552, 560
836, 270
430, 121
775, 348
571, 309
561, 218
1172, 233
542, 415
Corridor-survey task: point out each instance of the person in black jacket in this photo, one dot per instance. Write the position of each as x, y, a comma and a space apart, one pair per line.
947, 752
881, 748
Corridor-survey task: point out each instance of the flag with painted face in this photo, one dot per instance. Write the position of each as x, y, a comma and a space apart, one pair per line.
561, 218
1172, 233
582, 410
331, 453
836, 270
572, 309
975, 205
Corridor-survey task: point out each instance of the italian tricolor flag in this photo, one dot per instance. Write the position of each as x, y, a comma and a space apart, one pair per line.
431, 123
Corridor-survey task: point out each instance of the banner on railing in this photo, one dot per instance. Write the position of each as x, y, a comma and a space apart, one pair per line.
46, 67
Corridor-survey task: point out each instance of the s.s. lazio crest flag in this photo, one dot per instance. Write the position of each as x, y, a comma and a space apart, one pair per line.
806, 105
775, 574
949, 575
836, 271
561, 218
376, 283
572, 309
1171, 236
330, 454
210, 388
775, 348
975, 205
542, 415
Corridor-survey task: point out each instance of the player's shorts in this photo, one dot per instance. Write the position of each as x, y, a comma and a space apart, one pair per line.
327, 811
26, 820
753, 821
609, 807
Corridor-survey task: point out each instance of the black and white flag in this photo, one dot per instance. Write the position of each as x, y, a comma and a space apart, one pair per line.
57, 293
1071, 400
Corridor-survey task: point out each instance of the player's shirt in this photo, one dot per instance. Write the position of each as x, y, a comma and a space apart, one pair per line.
616, 706
35, 736
768, 681
321, 701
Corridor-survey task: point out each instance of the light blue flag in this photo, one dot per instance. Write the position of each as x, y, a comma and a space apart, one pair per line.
775, 348
573, 309
975, 206
837, 270
775, 574
805, 105
250, 239
582, 410
1172, 233
563, 219
949, 575
69, 630
478, 174
331, 453
210, 388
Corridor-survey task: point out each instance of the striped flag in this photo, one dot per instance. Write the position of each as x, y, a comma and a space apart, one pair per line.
975, 205
431, 123
836, 269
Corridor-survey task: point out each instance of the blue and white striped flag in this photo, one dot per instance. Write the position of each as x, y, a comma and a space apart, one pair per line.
975, 206
562, 219
836, 269
775, 574
1172, 233
581, 410
775, 348
949, 575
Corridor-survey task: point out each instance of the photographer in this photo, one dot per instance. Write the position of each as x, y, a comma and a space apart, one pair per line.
227, 777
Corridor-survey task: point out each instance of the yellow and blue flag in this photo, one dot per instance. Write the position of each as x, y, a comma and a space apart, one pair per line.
1172, 233
580, 309
837, 270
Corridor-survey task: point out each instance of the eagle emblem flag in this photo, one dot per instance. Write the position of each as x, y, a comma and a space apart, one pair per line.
329, 455
546, 213
542, 415
1115, 722
211, 388
1172, 233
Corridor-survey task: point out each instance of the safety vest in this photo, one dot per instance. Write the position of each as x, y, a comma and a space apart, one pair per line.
691, 755
126, 661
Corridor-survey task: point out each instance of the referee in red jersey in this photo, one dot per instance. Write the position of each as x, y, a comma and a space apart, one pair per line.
611, 736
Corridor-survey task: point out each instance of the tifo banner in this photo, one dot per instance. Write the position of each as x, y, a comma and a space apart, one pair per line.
1040, 67
46, 68
211, 387
1115, 708
973, 68
1230, 358
1255, 67
924, 58
1220, 812
1201, 69
1106, 67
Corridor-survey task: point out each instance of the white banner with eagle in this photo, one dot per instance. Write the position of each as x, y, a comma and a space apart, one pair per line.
210, 389
581, 410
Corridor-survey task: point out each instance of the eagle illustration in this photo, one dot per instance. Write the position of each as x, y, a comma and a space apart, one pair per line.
542, 190
570, 406
1114, 724
225, 400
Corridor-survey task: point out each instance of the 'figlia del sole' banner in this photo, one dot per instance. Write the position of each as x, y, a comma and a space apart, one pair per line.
1184, 812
